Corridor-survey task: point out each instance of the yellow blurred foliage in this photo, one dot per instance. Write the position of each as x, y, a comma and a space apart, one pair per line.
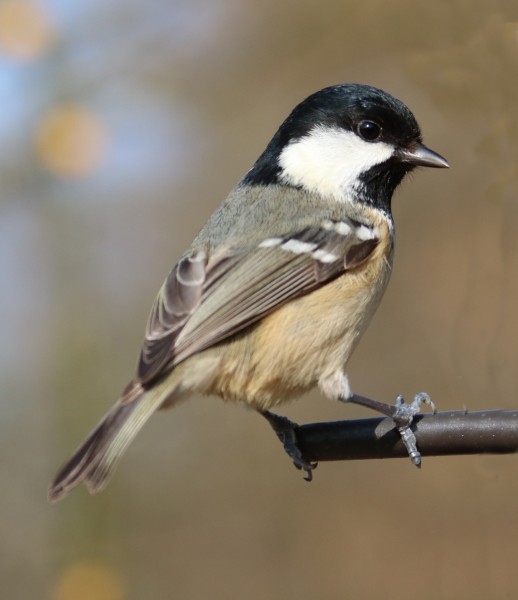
70, 141
86, 581
26, 30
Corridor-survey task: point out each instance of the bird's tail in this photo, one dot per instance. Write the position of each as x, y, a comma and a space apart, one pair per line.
94, 461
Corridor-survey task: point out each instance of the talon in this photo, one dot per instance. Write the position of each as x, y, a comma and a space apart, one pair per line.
402, 414
308, 468
286, 432
406, 412
403, 418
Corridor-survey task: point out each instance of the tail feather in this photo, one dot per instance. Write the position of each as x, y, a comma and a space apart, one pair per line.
94, 461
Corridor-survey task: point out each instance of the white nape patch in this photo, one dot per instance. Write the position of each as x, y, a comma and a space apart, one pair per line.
329, 161
298, 247
270, 242
367, 233
324, 257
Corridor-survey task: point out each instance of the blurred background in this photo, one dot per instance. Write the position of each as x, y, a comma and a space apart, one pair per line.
123, 125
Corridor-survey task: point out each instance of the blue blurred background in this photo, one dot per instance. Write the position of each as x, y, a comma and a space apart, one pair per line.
123, 124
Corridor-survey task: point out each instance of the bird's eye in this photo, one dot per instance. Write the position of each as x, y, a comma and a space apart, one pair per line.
369, 130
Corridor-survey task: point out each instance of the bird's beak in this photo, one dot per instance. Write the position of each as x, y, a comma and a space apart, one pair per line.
421, 155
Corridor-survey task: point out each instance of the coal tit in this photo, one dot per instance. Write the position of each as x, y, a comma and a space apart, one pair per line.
277, 288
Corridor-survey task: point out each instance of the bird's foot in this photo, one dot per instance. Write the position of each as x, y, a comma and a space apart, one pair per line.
286, 432
402, 414
403, 417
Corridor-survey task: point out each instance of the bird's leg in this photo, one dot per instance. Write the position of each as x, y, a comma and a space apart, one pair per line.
402, 414
286, 431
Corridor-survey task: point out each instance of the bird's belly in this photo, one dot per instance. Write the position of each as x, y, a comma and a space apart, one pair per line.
306, 340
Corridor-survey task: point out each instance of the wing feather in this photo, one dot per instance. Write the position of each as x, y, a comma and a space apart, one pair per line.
206, 299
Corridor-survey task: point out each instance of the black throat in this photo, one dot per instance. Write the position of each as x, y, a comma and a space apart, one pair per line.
377, 185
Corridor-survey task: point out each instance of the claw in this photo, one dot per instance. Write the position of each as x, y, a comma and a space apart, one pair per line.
286, 432
403, 418
303, 465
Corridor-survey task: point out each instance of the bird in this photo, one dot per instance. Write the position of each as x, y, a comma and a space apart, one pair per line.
276, 289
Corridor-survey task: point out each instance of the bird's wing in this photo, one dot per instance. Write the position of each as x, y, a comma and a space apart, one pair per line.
205, 299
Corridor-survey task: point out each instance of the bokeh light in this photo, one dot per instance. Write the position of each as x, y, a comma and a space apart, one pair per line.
89, 581
70, 141
26, 29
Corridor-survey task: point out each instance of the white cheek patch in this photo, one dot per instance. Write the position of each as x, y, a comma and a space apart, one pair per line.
330, 160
